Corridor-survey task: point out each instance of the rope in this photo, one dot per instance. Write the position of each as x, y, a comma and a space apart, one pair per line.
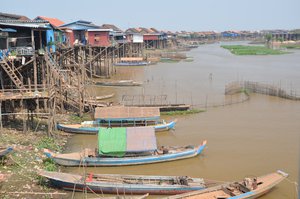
296, 186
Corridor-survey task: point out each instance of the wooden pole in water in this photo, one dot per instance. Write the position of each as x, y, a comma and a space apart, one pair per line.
1, 126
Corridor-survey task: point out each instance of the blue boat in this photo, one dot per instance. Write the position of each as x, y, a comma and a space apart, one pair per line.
132, 63
88, 157
5, 151
125, 146
120, 116
126, 184
92, 127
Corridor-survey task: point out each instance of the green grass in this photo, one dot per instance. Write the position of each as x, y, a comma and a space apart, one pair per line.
48, 143
49, 165
252, 50
76, 119
187, 112
188, 60
245, 91
169, 60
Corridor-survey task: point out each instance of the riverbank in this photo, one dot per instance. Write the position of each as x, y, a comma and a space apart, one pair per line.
27, 159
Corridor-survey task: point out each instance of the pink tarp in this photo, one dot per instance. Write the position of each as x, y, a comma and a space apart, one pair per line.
141, 139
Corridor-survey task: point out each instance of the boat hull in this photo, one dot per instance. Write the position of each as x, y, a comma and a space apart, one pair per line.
266, 183
6, 151
95, 130
113, 189
125, 161
112, 185
132, 64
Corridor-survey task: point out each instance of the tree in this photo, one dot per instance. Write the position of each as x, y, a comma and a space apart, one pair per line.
268, 38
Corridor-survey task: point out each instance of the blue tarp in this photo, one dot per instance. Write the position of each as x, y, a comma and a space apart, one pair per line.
7, 30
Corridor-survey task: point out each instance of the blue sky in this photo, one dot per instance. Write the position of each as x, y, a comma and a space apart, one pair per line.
190, 15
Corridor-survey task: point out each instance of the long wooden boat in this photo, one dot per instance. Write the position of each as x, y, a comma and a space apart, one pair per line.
125, 184
165, 107
92, 127
125, 197
249, 188
88, 157
132, 63
5, 151
103, 97
119, 83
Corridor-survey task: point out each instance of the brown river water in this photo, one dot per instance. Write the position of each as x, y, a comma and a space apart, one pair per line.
256, 137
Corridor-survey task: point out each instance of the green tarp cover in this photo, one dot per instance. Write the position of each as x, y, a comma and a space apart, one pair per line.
112, 141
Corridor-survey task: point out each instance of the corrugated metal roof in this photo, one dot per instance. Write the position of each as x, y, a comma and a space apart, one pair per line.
99, 30
7, 30
80, 25
27, 24
13, 16
111, 26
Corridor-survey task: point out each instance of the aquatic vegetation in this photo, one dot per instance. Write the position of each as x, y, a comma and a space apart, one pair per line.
252, 50
169, 60
187, 112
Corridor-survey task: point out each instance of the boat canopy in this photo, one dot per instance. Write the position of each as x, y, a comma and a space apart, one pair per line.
121, 113
119, 141
131, 59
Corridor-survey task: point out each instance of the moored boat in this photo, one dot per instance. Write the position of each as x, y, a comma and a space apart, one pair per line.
92, 127
125, 184
120, 116
132, 63
103, 97
119, 83
125, 197
88, 157
125, 146
246, 189
5, 151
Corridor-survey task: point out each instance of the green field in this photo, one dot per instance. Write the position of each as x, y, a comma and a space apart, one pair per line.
252, 50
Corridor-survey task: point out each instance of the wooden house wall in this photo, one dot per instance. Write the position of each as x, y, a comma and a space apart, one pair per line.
98, 38
150, 37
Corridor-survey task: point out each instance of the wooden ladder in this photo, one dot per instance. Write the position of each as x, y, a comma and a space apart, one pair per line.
11, 73
54, 68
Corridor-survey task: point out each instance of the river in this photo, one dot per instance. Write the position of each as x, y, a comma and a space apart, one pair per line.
256, 137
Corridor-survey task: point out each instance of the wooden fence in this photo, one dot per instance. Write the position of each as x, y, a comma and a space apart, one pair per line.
261, 88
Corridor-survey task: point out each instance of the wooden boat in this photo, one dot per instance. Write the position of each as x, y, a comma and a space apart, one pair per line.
165, 107
125, 197
88, 157
247, 189
132, 63
119, 83
92, 127
125, 184
103, 97
5, 151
